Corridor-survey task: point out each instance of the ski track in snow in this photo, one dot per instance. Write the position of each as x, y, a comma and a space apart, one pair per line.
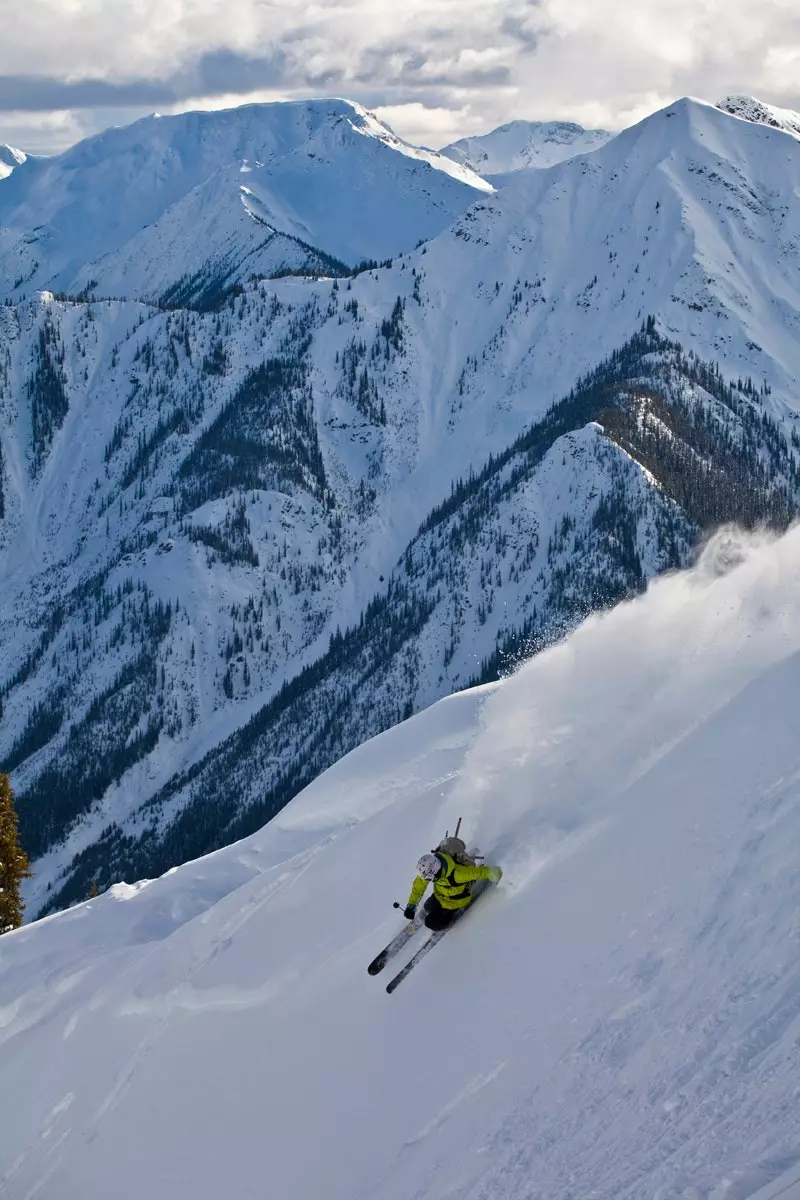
473, 1088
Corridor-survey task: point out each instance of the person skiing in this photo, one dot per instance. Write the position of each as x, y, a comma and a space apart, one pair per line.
451, 871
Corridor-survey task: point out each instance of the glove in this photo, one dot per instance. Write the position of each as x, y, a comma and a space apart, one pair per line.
410, 912
494, 873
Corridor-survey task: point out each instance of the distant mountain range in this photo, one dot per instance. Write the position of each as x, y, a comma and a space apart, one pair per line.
520, 145
302, 428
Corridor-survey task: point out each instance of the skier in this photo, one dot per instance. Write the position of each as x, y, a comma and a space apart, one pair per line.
451, 871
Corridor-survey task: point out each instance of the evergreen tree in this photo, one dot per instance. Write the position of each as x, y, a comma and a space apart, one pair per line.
13, 861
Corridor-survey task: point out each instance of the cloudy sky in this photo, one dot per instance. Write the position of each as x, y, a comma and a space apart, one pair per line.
435, 69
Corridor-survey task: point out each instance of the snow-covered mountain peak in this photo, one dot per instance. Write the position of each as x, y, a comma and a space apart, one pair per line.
138, 209
367, 124
751, 109
260, 133
684, 132
635, 227
687, 119
10, 158
520, 145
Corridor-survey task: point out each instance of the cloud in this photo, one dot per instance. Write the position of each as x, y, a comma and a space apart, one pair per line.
422, 125
32, 93
224, 70
215, 73
521, 31
407, 67
601, 62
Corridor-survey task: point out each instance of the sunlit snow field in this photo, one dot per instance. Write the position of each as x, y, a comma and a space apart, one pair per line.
619, 1020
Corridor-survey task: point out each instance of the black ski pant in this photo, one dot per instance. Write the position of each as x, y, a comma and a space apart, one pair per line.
436, 917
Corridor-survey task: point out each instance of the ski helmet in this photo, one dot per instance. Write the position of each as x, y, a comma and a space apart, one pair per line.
428, 867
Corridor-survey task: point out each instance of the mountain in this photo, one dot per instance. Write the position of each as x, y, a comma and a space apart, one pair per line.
169, 206
671, 217
618, 1019
751, 109
9, 159
238, 539
520, 145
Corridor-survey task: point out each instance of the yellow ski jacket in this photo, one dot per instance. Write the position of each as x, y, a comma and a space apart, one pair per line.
451, 887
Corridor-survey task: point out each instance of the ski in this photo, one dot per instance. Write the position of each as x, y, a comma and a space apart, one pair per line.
432, 940
395, 945
412, 962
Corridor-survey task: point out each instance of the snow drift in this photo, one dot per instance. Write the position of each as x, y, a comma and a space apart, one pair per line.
620, 1018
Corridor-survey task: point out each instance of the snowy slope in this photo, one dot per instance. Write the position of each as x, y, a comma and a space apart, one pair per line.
136, 210
751, 109
618, 1020
393, 386
521, 145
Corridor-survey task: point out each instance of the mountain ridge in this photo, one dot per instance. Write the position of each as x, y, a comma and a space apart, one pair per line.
130, 211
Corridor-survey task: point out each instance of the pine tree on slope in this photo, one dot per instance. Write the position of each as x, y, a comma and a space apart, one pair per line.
13, 861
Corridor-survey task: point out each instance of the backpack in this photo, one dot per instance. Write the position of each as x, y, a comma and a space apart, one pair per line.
457, 851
